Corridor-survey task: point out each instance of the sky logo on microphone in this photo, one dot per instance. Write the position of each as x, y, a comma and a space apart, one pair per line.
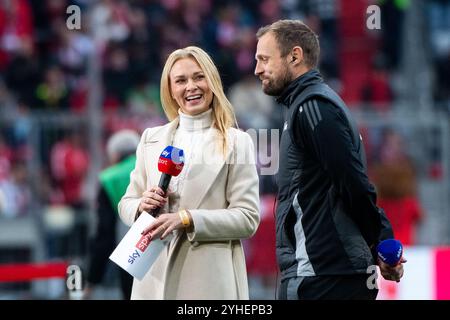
171, 161
165, 154
176, 155
390, 251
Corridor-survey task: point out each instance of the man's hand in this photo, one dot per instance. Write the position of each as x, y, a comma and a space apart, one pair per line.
392, 273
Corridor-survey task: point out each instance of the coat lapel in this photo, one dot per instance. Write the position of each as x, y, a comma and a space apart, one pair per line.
203, 170
154, 145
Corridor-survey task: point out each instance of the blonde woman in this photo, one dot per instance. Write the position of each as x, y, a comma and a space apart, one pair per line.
213, 203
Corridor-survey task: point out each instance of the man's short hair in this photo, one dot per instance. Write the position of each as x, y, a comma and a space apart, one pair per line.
291, 33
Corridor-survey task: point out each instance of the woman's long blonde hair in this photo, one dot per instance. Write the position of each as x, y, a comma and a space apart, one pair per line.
223, 114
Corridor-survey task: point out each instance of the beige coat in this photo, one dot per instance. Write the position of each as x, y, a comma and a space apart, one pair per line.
222, 195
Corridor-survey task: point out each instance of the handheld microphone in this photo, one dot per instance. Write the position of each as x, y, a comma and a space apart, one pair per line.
390, 251
170, 164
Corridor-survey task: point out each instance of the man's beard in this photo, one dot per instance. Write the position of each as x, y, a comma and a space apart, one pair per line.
276, 86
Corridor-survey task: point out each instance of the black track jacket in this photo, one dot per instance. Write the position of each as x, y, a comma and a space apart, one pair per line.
327, 221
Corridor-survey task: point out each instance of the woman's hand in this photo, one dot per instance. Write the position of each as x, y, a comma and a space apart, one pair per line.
164, 225
152, 199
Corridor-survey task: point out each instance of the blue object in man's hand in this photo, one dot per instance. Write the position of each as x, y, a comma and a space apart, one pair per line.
390, 251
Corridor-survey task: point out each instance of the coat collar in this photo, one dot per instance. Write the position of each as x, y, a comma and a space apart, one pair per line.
204, 168
156, 141
298, 85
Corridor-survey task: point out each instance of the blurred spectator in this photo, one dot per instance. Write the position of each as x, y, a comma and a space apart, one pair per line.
244, 52
16, 27
15, 193
140, 46
322, 16
78, 99
438, 12
69, 165
110, 21
55, 9
392, 20
72, 51
121, 149
52, 94
18, 132
377, 92
143, 98
6, 156
246, 97
260, 249
65, 217
270, 11
395, 179
228, 24
116, 77
22, 73
235, 48
442, 88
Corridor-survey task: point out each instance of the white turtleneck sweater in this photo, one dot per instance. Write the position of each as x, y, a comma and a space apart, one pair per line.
189, 137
